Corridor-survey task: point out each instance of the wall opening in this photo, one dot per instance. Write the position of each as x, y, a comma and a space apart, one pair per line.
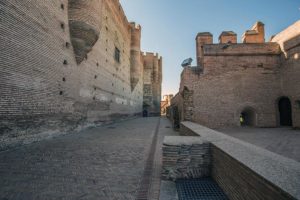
248, 117
285, 111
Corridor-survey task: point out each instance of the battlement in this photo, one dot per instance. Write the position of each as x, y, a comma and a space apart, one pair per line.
135, 26
269, 48
151, 54
228, 37
256, 34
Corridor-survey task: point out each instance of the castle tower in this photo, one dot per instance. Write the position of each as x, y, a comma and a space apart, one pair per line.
202, 39
255, 35
228, 37
135, 55
152, 83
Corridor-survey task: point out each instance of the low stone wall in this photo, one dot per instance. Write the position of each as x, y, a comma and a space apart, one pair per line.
245, 171
185, 157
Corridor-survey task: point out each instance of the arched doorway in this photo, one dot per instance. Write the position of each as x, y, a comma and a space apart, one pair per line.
285, 111
248, 117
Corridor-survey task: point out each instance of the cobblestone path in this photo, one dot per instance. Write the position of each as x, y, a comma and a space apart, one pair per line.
103, 163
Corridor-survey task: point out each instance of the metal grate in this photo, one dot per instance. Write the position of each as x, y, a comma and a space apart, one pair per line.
199, 189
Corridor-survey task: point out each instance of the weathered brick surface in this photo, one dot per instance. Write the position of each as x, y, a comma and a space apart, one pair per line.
255, 35
289, 41
245, 171
152, 83
239, 182
58, 70
239, 77
185, 158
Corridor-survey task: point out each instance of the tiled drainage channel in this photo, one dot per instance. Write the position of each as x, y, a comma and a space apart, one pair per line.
145, 185
199, 189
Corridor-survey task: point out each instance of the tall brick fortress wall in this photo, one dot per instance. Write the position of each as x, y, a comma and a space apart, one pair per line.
152, 83
247, 79
66, 65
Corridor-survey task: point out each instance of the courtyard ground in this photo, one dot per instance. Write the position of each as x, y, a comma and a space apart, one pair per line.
101, 163
283, 141
118, 161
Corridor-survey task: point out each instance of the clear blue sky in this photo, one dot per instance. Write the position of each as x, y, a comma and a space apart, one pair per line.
169, 27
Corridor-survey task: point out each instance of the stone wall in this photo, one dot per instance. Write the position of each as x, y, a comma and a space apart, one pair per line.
185, 158
59, 70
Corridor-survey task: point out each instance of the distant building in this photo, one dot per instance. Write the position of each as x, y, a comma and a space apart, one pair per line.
165, 103
152, 83
254, 83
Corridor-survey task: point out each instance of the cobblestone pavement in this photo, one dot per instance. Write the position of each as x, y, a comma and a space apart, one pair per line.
100, 163
283, 141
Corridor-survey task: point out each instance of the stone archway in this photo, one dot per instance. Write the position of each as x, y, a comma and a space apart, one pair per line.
248, 117
285, 112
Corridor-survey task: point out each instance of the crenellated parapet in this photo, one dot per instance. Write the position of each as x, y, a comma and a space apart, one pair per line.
228, 37
202, 39
256, 34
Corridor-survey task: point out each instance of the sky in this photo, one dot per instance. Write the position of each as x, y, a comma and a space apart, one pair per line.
169, 27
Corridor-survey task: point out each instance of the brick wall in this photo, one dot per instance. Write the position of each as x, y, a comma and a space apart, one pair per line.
237, 78
230, 84
245, 171
239, 182
185, 158
289, 40
58, 69
152, 83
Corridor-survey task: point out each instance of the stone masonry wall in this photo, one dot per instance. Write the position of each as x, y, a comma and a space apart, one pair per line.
185, 157
58, 69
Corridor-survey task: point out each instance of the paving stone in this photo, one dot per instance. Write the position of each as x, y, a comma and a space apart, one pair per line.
99, 163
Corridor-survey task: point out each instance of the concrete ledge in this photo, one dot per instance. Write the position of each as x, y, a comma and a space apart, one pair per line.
281, 174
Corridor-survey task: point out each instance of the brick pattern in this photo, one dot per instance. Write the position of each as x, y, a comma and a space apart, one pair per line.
244, 171
239, 182
185, 161
152, 83
289, 40
239, 77
58, 71
100, 163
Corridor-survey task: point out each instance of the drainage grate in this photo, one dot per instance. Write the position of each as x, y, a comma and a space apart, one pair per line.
199, 189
